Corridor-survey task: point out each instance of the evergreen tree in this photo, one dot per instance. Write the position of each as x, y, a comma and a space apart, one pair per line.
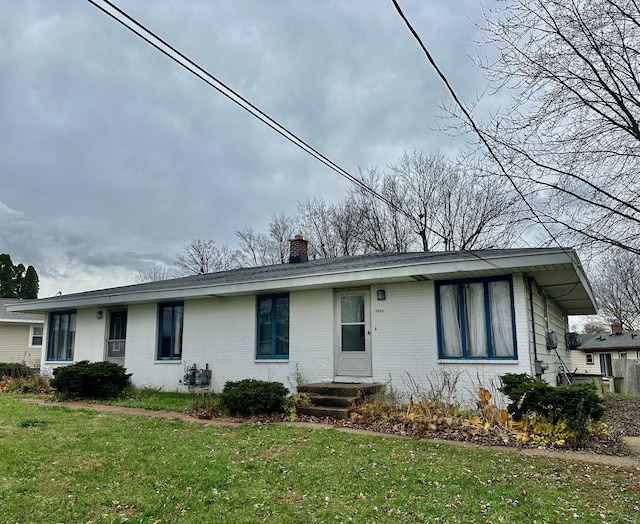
15, 281
18, 275
30, 284
7, 282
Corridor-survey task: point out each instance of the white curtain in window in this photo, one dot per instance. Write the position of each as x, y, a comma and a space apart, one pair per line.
476, 320
450, 317
501, 319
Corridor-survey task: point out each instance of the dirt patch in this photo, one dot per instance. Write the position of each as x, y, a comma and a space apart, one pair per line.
167, 415
622, 416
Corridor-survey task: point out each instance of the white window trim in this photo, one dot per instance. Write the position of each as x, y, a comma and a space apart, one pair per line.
31, 335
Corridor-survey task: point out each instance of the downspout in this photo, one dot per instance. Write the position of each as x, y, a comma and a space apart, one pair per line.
533, 322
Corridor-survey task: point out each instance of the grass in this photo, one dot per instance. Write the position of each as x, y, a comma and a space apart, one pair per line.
156, 399
64, 465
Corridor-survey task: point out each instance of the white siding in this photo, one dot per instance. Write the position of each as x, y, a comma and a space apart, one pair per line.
221, 332
405, 344
90, 335
556, 321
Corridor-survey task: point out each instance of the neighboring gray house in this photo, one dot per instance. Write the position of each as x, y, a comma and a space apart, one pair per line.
21, 335
598, 351
398, 318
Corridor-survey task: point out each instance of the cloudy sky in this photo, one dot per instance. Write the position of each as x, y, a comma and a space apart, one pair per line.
112, 157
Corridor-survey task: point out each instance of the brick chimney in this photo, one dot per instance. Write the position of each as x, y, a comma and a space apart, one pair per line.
298, 250
616, 328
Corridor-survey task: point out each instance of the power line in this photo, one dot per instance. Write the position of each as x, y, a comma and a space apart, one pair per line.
236, 98
164, 47
474, 126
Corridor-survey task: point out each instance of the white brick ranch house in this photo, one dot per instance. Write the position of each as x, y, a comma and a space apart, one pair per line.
382, 317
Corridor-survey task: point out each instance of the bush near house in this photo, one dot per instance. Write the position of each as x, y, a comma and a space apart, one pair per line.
250, 397
15, 370
91, 380
554, 414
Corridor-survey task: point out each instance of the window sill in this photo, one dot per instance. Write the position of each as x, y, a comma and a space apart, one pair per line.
478, 361
168, 361
271, 360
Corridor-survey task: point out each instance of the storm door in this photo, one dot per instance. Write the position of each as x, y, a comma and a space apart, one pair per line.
353, 337
117, 337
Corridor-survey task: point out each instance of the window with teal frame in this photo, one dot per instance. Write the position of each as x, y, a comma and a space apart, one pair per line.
476, 319
273, 327
170, 321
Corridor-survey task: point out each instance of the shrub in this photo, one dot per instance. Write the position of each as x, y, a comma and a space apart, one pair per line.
15, 370
91, 379
298, 400
573, 406
37, 385
250, 397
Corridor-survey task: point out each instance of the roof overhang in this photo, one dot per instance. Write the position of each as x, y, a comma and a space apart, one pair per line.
557, 272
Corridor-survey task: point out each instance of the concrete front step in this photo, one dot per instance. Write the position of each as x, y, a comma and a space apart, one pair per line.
334, 400
324, 412
336, 389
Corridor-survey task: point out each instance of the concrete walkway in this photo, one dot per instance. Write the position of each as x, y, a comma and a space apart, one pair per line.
633, 443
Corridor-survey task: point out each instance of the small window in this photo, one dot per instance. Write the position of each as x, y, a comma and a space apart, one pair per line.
273, 327
622, 355
62, 335
35, 337
476, 319
590, 360
170, 322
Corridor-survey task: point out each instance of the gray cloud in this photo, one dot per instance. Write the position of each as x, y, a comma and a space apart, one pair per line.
112, 157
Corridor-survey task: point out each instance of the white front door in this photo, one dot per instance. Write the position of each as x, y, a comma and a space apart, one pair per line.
353, 337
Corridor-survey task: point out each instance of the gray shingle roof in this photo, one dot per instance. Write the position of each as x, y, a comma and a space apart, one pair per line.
312, 267
17, 316
556, 270
608, 341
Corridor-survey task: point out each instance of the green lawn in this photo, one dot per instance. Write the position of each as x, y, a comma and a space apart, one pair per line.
71, 466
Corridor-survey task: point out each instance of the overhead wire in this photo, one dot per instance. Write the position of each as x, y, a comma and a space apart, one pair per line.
476, 129
236, 98
149, 36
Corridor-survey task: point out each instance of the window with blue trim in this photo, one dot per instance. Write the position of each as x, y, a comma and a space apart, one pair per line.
273, 326
170, 321
476, 319
62, 335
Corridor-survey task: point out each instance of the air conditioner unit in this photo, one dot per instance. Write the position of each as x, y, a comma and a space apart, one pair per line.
573, 340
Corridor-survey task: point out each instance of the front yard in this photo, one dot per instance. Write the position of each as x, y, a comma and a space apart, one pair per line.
64, 465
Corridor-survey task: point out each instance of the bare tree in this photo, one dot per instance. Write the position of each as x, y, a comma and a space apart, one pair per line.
154, 273
203, 256
444, 206
596, 325
616, 282
333, 230
384, 228
262, 249
570, 139
281, 230
256, 249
